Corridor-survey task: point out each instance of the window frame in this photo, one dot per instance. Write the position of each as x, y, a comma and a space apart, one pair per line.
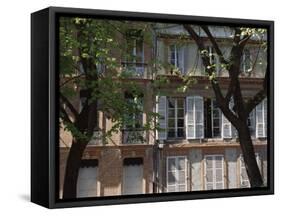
176, 118
186, 162
214, 175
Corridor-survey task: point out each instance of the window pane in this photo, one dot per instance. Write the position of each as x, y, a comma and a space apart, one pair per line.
181, 179
190, 118
171, 133
180, 113
171, 102
180, 122
171, 123
171, 113
180, 132
171, 178
182, 188
180, 103
190, 131
171, 164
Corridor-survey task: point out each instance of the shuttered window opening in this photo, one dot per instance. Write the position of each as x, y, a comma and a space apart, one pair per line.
214, 172
161, 103
244, 180
261, 119
132, 177
176, 114
176, 57
216, 120
177, 174
87, 182
194, 117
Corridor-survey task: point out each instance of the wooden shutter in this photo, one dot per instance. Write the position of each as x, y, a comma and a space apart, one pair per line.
194, 117
261, 119
214, 172
161, 109
177, 173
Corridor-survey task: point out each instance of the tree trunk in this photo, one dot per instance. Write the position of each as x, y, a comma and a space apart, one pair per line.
248, 152
72, 169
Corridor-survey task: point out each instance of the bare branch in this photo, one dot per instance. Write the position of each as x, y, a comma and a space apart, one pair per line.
215, 45
71, 79
64, 115
69, 105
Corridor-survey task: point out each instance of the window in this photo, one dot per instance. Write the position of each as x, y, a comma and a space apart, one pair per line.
247, 64
177, 174
134, 58
244, 180
133, 121
195, 117
176, 56
175, 117
216, 120
135, 46
261, 119
214, 172
213, 58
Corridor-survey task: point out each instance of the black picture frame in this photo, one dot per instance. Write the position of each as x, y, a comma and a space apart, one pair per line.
44, 107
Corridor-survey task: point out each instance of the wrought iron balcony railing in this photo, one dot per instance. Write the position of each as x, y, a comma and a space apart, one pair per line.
133, 136
135, 70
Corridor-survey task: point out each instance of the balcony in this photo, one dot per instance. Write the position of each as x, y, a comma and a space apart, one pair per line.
133, 136
135, 70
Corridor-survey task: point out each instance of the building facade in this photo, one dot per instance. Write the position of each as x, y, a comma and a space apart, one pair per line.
196, 148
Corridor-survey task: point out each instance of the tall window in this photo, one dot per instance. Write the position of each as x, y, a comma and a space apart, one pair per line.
214, 172
175, 117
177, 174
133, 131
134, 58
247, 64
176, 56
216, 120
214, 61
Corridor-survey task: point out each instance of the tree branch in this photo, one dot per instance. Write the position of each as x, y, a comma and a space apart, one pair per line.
69, 105
260, 95
215, 45
64, 115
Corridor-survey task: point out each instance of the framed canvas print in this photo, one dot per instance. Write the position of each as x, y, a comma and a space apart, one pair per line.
137, 107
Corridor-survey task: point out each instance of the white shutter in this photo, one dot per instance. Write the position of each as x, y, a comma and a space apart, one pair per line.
214, 172
226, 128
176, 174
132, 180
194, 117
261, 119
190, 118
161, 109
87, 182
